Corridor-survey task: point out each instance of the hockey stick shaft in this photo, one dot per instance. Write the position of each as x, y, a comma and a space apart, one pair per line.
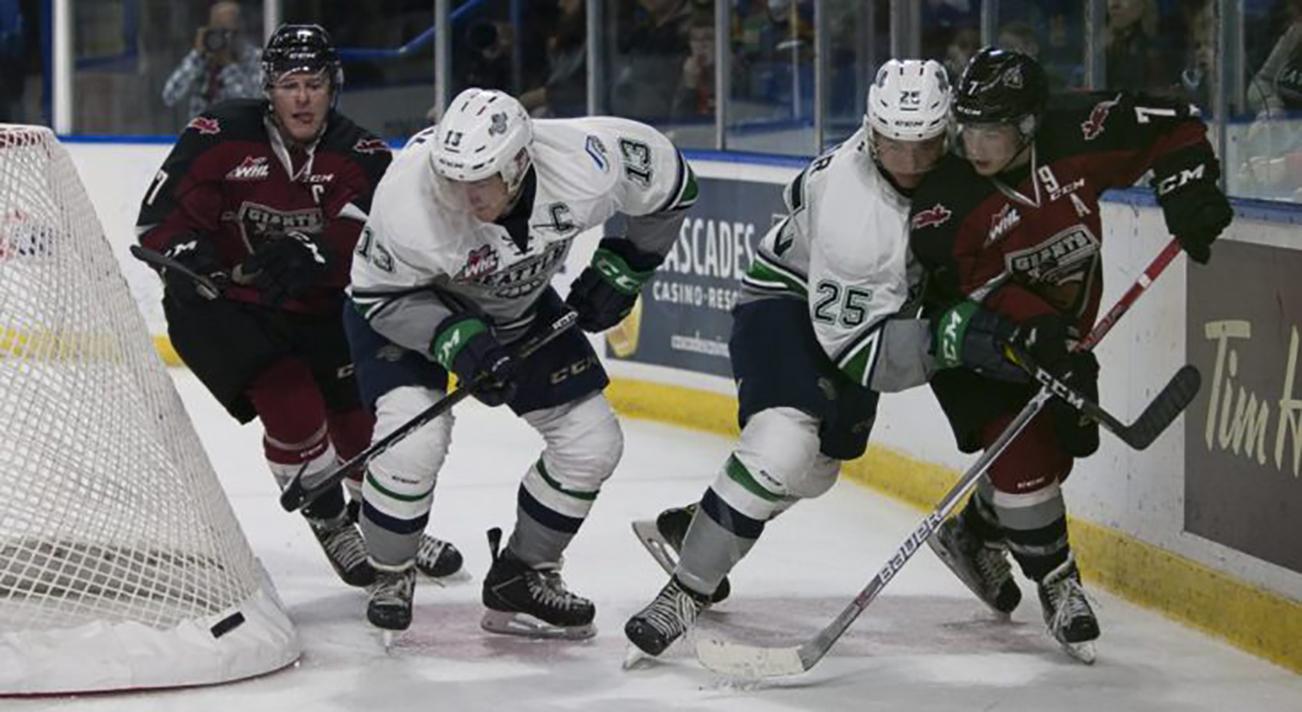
297, 493
209, 288
750, 660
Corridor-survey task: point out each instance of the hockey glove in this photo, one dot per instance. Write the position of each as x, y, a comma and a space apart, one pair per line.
1078, 435
967, 336
199, 254
1195, 209
286, 267
605, 291
972, 337
465, 346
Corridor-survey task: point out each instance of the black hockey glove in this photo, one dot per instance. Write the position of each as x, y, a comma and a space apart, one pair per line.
1195, 209
286, 267
1078, 435
466, 346
605, 291
199, 254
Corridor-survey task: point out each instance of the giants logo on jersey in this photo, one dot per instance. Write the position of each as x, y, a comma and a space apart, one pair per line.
1092, 127
935, 215
481, 261
370, 145
205, 125
1059, 269
258, 222
252, 168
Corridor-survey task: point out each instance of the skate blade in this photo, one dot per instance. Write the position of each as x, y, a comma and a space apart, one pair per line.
649, 535
636, 659
523, 624
1083, 652
388, 638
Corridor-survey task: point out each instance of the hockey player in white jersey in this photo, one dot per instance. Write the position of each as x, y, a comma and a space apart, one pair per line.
823, 324
467, 229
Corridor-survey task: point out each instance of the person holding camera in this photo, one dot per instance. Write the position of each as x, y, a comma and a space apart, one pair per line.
221, 66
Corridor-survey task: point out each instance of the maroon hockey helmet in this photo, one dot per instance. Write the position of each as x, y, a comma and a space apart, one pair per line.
1001, 86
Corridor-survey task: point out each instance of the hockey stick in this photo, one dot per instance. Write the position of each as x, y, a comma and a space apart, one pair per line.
298, 493
208, 288
751, 661
1178, 393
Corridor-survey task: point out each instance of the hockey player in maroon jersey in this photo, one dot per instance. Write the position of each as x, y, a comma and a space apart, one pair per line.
268, 196
1013, 225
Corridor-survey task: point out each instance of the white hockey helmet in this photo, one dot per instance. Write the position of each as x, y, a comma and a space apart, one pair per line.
909, 100
483, 133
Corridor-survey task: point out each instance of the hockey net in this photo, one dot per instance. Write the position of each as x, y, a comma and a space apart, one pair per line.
121, 562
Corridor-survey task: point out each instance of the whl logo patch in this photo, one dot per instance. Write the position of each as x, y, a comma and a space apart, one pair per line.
481, 261
253, 168
1002, 222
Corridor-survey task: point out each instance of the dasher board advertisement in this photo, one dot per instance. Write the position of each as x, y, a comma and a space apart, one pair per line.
683, 318
1243, 434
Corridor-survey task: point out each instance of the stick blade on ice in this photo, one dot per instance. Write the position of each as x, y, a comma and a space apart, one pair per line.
748, 661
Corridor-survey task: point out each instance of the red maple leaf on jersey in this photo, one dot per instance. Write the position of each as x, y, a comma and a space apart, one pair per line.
205, 125
370, 145
935, 215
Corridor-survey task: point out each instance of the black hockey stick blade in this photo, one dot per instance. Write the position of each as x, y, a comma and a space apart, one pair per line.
208, 287
1164, 409
298, 493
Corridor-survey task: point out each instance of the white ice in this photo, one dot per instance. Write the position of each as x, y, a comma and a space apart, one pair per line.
926, 644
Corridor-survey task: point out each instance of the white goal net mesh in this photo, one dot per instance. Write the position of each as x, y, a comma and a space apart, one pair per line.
112, 521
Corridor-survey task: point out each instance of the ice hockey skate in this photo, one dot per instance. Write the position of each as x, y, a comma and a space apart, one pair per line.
665, 619
663, 539
435, 557
389, 608
1067, 611
981, 566
344, 547
531, 601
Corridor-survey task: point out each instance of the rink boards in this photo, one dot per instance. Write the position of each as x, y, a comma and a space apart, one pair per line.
1205, 525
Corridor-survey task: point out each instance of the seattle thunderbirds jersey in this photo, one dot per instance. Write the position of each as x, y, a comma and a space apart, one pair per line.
421, 258
843, 248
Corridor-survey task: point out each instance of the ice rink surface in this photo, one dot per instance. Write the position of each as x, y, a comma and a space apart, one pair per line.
926, 644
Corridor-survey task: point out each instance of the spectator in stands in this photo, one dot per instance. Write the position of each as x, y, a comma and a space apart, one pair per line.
565, 92
652, 45
1020, 37
1134, 50
222, 65
486, 56
1274, 142
965, 42
696, 95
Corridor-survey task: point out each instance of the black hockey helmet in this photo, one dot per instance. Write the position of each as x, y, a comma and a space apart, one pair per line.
1001, 86
302, 48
